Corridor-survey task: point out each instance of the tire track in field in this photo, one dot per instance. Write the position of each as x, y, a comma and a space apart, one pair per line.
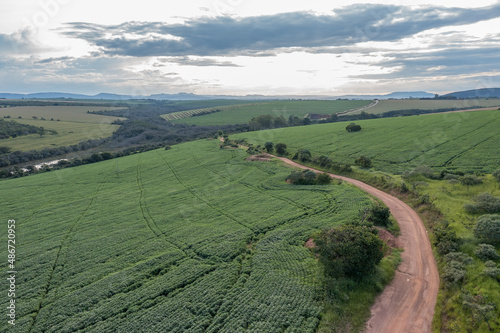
67, 239
250, 186
150, 222
200, 198
466, 150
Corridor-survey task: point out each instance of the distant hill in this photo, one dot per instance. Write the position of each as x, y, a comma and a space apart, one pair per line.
193, 97
476, 93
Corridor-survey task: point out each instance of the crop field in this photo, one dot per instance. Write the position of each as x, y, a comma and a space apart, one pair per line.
189, 239
242, 114
74, 125
409, 104
466, 141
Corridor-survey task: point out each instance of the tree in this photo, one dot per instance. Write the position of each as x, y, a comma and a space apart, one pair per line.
380, 215
302, 155
352, 127
483, 203
486, 252
280, 148
4, 150
323, 179
363, 161
349, 250
487, 228
269, 147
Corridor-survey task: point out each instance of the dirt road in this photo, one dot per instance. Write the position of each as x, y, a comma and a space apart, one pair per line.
407, 303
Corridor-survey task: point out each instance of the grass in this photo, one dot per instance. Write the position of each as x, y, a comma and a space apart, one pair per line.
408, 104
465, 141
75, 125
190, 239
450, 200
242, 114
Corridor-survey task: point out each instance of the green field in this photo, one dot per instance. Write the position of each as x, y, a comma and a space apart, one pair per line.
193, 239
464, 141
243, 114
409, 104
74, 125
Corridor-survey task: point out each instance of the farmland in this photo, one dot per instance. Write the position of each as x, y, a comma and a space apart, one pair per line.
242, 114
72, 123
184, 240
456, 141
409, 104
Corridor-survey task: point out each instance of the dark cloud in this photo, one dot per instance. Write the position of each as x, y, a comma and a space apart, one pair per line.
233, 36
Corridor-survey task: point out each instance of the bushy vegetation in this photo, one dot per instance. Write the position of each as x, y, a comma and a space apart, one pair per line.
349, 251
487, 228
13, 129
483, 203
308, 177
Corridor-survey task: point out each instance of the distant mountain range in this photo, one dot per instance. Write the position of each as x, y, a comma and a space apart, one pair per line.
482, 93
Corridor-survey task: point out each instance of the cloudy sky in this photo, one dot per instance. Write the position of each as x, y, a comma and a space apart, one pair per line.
245, 47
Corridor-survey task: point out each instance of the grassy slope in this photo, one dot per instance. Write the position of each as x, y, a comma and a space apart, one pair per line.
242, 115
403, 104
466, 141
75, 125
450, 199
178, 241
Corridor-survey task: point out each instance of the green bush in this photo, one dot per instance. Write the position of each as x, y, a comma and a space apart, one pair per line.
454, 273
363, 161
492, 270
483, 203
486, 252
487, 228
380, 215
349, 250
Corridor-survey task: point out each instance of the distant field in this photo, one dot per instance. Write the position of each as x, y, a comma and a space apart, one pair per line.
464, 141
75, 125
243, 114
193, 239
408, 104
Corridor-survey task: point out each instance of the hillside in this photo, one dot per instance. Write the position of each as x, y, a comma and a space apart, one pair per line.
457, 141
242, 114
476, 93
195, 233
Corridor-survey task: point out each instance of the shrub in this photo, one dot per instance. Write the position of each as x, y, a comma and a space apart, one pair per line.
454, 273
496, 174
483, 203
460, 257
323, 179
492, 270
302, 155
470, 180
380, 215
486, 252
280, 148
269, 147
349, 250
487, 228
352, 127
363, 161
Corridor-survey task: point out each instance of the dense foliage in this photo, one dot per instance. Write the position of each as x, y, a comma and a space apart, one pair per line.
14, 129
487, 228
349, 250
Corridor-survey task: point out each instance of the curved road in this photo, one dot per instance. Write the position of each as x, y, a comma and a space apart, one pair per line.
407, 303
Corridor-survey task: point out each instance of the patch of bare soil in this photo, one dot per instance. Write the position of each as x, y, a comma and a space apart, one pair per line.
310, 244
389, 238
259, 158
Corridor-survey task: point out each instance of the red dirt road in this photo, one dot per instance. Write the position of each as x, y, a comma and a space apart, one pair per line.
407, 303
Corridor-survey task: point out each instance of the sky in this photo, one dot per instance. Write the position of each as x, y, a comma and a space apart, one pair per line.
246, 47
